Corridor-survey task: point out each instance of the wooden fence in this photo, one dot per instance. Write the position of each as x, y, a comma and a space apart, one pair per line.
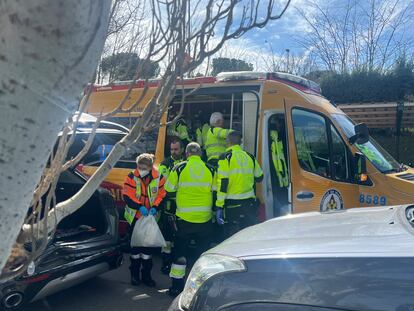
381, 115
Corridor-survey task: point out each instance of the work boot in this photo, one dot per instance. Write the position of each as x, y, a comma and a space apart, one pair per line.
146, 273
176, 287
166, 263
135, 268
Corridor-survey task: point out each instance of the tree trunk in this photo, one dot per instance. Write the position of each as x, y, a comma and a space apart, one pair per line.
48, 52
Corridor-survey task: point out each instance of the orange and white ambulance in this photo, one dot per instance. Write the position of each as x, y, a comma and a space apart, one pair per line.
330, 163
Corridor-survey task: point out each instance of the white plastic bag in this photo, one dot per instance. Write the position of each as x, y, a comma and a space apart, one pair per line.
146, 233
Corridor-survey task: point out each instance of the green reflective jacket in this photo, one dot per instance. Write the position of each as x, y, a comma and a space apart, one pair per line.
278, 159
237, 174
194, 183
215, 144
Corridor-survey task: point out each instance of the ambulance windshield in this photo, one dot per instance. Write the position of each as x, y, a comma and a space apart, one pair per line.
380, 158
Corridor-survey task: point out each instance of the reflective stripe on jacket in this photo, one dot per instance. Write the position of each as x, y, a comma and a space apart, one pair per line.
215, 144
194, 182
278, 159
201, 134
167, 165
179, 129
148, 191
237, 174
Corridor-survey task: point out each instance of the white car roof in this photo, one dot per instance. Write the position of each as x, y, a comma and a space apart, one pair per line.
359, 232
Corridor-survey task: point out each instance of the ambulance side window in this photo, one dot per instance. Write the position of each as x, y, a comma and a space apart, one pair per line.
311, 139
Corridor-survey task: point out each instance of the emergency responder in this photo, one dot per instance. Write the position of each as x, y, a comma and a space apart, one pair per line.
143, 193
193, 182
215, 143
238, 171
278, 153
178, 128
201, 134
176, 150
176, 156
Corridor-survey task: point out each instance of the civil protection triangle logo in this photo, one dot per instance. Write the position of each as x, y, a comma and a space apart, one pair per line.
332, 201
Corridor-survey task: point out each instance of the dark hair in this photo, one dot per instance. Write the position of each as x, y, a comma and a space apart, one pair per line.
175, 140
234, 138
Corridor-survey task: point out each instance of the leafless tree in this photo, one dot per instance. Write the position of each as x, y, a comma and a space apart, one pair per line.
360, 35
49, 51
180, 34
287, 61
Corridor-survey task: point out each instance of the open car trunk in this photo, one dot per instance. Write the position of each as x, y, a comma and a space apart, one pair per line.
89, 221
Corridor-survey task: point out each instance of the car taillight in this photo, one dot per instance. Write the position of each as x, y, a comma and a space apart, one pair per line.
38, 278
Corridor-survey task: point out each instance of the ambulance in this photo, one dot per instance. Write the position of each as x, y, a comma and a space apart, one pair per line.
329, 163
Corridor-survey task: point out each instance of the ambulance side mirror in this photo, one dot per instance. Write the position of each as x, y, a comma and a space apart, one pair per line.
360, 167
361, 134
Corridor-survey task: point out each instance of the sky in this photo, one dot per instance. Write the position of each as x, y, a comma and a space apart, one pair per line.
287, 32
259, 45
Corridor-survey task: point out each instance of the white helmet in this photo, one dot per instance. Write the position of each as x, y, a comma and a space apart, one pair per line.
215, 118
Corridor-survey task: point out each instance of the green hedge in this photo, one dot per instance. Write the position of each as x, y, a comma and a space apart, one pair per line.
370, 86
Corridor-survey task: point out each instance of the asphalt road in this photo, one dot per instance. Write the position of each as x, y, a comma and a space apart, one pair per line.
110, 291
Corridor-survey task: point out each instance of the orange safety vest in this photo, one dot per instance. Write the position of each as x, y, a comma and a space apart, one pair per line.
148, 191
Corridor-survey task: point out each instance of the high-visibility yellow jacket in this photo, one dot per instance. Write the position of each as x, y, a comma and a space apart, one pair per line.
238, 171
215, 144
194, 183
179, 129
278, 159
167, 165
201, 134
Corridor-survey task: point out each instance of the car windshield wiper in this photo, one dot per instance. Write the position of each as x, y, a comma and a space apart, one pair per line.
393, 170
401, 168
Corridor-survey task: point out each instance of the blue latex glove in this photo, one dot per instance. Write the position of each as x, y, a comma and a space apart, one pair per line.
152, 211
143, 210
219, 216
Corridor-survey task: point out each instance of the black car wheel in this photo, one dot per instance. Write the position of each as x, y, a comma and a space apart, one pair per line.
12, 301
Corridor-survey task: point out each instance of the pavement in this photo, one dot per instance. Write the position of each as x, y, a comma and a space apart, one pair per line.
110, 291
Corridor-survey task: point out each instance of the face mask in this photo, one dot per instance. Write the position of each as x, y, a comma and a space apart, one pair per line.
143, 173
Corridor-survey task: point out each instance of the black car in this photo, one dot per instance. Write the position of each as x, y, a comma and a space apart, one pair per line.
85, 245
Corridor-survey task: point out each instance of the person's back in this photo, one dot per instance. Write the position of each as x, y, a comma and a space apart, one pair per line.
239, 167
238, 171
194, 196
201, 134
215, 143
193, 183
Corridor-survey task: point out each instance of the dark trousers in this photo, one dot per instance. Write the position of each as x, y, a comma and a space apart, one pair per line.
141, 259
166, 222
167, 227
191, 240
239, 214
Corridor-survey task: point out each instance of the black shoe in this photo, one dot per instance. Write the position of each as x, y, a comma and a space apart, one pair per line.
135, 281
166, 269
173, 292
149, 282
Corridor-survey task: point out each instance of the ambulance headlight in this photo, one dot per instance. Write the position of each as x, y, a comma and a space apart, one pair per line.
207, 266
